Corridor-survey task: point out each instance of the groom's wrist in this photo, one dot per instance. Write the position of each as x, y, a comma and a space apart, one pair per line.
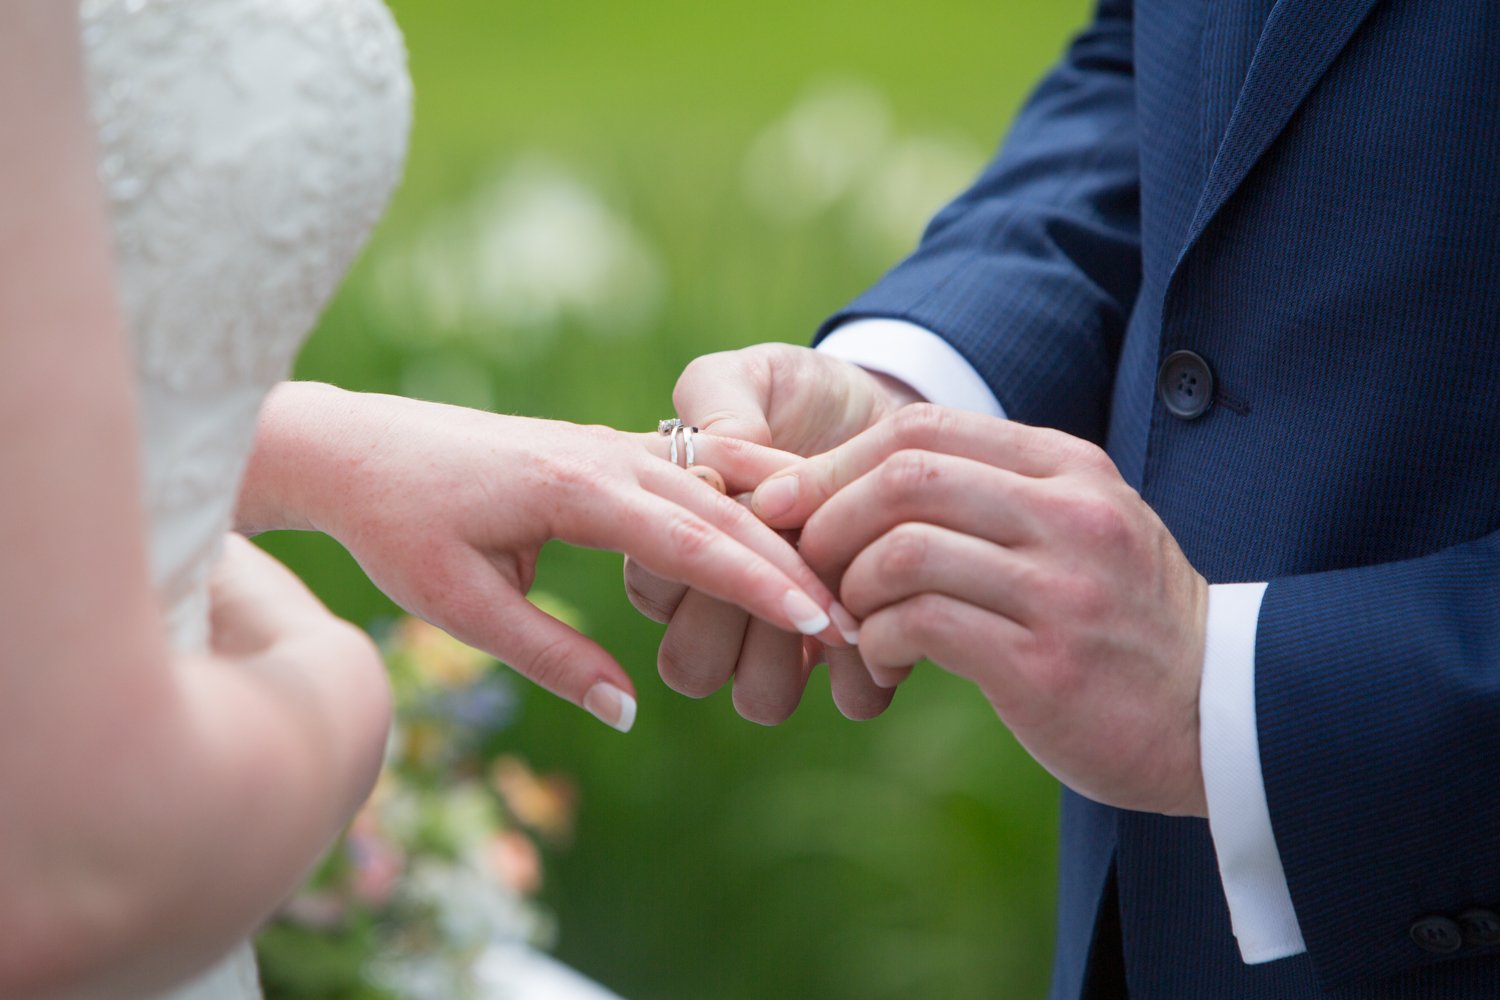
895, 393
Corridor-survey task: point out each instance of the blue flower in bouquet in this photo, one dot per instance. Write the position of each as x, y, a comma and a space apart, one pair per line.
487, 705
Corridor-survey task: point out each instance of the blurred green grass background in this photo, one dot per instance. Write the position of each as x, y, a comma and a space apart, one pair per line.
597, 193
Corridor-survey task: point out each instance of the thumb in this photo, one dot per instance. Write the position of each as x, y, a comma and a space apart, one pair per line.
722, 394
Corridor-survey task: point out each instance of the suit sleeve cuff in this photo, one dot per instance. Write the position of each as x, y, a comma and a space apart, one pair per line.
1255, 887
916, 356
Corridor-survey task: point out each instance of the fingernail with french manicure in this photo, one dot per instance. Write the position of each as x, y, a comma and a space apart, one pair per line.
845, 623
775, 496
610, 706
804, 613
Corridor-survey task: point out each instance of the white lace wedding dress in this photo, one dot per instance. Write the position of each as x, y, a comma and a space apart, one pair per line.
247, 148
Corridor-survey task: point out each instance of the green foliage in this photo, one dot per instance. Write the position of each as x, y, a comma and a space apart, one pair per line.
299, 963
708, 176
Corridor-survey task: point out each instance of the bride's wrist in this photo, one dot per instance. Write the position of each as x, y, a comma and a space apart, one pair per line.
306, 449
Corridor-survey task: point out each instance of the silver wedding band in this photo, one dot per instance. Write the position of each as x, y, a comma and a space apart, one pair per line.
675, 429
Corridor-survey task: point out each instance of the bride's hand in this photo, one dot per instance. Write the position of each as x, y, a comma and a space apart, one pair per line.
264, 621
447, 509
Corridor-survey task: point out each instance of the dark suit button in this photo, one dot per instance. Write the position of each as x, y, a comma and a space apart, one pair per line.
1481, 928
1185, 385
1438, 935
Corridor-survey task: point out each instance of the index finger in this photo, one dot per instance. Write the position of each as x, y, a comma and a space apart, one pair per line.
788, 499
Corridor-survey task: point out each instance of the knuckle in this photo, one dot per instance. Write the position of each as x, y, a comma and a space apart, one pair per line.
656, 606
927, 618
905, 551
1083, 455
690, 537
1064, 595
920, 423
570, 474
904, 475
602, 435
549, 664
727, 425
1092, 518
1086, 598
1060, 452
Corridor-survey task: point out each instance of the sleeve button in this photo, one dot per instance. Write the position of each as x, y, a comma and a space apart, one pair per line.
1438, 935
1480, 928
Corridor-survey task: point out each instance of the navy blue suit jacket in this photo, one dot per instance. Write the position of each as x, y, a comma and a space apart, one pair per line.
1309, 198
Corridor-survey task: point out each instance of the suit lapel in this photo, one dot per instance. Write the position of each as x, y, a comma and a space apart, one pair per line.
1298, 44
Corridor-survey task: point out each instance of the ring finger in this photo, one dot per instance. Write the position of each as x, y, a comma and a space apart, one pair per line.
742, 464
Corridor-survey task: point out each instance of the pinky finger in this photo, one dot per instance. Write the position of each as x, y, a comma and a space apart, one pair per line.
566, 663
500, 620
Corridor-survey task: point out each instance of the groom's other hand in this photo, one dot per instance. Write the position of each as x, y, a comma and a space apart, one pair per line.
1018, 558
803, 402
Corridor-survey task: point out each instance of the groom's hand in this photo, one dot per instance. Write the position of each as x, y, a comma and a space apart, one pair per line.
800, 401
1017, 557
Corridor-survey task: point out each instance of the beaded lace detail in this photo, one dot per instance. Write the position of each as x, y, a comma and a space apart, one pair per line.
247, 148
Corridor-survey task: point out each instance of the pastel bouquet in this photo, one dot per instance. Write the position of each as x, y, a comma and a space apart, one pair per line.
442, 865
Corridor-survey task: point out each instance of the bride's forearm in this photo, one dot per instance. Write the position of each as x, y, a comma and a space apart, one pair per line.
309, 444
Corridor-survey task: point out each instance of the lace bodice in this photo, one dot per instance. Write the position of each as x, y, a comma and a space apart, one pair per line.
247, 148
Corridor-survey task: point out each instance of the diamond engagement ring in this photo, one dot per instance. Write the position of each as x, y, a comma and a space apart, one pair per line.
675, 429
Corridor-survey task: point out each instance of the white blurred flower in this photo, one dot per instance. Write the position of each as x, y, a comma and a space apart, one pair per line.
910, 181
809, 158
473, 911
422, 977
836, 148
550, 248
530, 251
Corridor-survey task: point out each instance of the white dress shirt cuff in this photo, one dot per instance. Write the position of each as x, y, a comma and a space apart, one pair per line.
1260, 905
916, 356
